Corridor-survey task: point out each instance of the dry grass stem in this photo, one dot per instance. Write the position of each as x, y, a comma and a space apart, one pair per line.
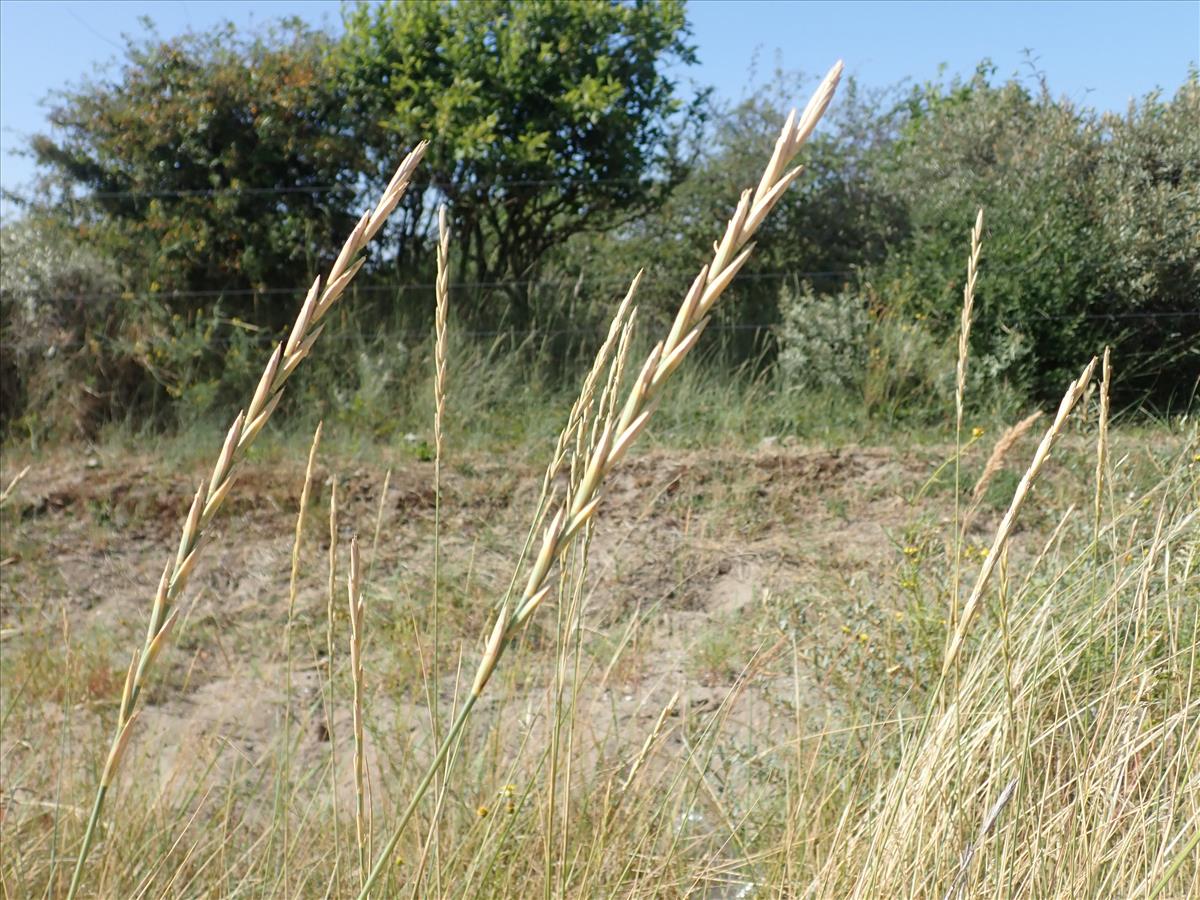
330, 680
357, 609
289, 628
651, 740
984, 830
1070, 398
241, 435
960, 388
1102, 436
383, 494
12, 485
440, 362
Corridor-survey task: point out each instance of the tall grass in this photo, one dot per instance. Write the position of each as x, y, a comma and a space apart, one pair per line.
1045, 741
212, 493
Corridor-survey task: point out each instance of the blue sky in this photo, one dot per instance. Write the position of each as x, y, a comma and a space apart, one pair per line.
1098, 53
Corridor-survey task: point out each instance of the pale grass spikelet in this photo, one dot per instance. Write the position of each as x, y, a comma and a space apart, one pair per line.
220, 473
125, 693
160, 639
615, 342
1102, 434
1070, 398
1000, 451
117, 750
578, 508
440, 344
968, 308
303, 319
241, 435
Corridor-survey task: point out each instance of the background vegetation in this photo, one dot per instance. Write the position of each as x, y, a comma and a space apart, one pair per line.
190, 193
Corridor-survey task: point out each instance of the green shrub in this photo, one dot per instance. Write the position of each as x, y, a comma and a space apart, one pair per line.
822, 339
59, 306
1090, 229
870, 348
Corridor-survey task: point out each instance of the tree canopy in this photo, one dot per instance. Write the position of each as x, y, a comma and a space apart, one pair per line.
212, 163
544, 119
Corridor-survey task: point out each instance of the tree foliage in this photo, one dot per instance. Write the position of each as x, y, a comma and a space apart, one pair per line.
194, 190
58, 315
545, 119
211, 163
833, 221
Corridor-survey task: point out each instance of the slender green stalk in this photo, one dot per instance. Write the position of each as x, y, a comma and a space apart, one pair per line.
1182, 856
419, 793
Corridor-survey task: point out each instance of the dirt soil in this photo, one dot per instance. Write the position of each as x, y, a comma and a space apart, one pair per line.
686, 545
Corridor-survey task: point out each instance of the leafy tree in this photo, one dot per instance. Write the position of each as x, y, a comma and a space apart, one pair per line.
545, 119
1147, 184
210, 163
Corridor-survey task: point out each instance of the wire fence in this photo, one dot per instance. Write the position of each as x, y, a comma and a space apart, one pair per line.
568, 285
343, 188
406, 286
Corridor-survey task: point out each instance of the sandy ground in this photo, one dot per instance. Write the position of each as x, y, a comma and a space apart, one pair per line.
687, 547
